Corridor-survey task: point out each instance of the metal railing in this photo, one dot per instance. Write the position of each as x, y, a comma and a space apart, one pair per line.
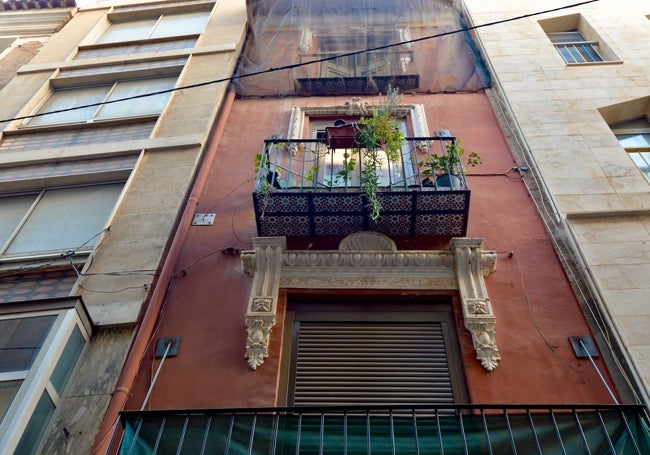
309, 164
365, 64
580, 51
446, 429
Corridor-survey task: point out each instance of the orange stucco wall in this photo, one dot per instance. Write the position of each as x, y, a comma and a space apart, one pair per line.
531, 296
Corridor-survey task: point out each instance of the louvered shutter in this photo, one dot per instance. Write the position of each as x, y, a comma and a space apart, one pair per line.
371, 363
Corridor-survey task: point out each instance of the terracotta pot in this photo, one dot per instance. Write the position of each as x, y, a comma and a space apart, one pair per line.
341, 137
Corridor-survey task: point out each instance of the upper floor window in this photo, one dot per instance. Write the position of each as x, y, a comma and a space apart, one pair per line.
39, 352
64, 99
576, 40
634, 137
56, 219
160, 26
575, 48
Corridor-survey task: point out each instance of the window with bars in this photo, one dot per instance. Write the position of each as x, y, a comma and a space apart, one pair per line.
634, 137
39, 348
575, 48
362, 356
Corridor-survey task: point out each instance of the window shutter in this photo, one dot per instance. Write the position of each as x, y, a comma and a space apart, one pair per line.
342, 363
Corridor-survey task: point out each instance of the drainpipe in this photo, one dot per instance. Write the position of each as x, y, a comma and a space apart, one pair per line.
147, 325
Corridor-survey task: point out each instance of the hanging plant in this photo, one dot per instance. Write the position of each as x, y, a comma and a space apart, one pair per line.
376, 137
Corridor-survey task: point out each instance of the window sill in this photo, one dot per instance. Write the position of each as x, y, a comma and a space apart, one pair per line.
166, 39
31, 262
27, 129
607, 62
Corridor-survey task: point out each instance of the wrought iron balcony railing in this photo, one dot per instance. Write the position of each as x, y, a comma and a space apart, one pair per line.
305, 188
357, 73
459, 429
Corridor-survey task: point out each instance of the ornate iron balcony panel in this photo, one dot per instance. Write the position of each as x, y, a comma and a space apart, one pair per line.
305, 188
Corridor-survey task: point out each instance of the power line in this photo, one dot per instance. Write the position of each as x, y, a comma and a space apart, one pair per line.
298, 65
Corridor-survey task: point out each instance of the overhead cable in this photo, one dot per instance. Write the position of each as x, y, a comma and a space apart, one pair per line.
298, 65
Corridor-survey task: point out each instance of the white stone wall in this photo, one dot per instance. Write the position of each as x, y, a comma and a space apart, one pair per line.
597, 189
143, 222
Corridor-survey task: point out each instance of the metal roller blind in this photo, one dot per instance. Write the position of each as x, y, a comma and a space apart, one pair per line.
371, 363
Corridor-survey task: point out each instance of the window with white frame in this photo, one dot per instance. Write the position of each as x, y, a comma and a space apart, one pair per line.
55, 219
39, 350
575, 48
159, 26
101, 99
634, 137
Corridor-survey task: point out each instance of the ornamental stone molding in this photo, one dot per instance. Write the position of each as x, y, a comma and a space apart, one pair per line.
477, 311
369, 260
262, 304
356, 106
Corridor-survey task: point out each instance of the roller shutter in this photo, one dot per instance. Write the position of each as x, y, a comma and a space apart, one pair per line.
371, 362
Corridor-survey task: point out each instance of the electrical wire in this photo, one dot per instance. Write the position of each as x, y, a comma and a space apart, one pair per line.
234, 231
301, 64
216, 204
25, 269
199, 259
532, 316
145, 286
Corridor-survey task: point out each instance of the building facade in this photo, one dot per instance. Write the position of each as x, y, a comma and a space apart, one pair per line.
100, 144
574, 84
296, 320
24, 28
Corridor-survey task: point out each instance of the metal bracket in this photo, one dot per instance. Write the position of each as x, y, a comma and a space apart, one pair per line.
203, 219
583, 347
161, 346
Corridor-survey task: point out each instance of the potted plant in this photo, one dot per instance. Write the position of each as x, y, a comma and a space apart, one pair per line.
444, 168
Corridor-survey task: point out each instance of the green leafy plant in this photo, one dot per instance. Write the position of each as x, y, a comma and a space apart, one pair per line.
344, 176
378, 136
264, 187
450, 162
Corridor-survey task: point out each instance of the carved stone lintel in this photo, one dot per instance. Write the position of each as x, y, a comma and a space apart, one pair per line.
370, 261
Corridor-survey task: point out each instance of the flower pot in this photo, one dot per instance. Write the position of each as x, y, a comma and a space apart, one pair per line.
448, 181
341, 137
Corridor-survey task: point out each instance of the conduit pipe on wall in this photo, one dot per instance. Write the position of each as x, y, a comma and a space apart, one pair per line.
147, 325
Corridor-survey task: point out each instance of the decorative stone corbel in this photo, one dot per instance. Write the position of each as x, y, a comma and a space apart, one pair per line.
262, 303
472, 264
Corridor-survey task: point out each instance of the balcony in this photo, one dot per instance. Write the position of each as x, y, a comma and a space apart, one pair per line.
452, 429
356, 74
307, 188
